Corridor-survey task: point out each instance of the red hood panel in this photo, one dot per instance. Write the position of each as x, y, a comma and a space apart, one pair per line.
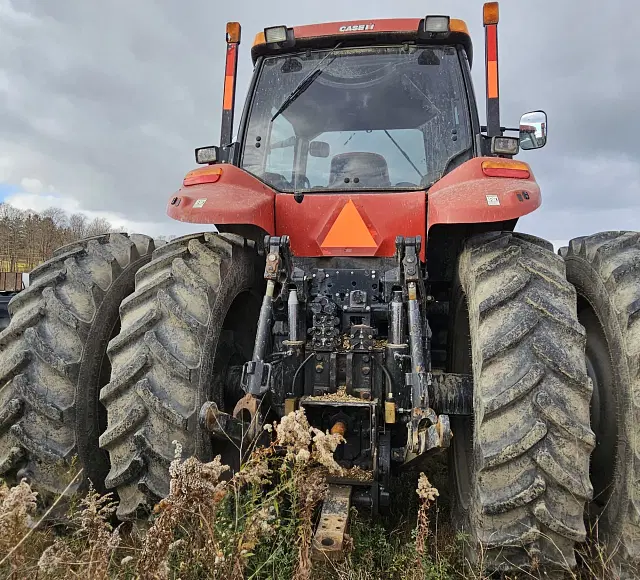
353, 224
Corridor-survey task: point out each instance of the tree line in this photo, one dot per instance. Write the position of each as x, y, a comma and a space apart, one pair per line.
28, 238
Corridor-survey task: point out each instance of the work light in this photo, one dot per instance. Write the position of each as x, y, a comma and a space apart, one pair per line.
436, 24
207, 155
275, 34
505, 145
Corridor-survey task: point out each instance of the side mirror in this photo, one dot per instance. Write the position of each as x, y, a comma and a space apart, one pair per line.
319, 149
207, 155
533, 130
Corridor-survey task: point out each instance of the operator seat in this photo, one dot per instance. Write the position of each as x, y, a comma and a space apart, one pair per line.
359, 170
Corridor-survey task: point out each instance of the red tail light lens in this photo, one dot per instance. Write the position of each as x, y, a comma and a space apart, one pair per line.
506, 168
204, 175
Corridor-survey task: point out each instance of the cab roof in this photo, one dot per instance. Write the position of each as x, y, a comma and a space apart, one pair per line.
363, 32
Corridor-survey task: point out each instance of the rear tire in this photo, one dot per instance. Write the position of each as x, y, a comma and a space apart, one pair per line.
521, 465
194, 311
605, 270
53, 360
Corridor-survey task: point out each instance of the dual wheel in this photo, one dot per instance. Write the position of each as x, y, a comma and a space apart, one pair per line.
117, 343
551, 455
110, 354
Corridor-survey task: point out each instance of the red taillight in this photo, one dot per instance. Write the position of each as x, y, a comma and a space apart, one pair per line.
506, 168
203, 175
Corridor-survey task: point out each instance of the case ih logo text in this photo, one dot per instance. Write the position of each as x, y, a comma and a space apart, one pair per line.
357, 27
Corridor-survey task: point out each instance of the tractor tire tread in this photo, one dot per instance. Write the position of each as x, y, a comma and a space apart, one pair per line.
612, 259
41, 353
531, 397
158, 361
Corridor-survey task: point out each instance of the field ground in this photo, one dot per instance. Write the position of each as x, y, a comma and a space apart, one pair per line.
257, 524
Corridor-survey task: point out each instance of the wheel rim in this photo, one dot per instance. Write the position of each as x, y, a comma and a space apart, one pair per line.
604, 407
234, 348
595, 396
104, 375
462, 462
462, 448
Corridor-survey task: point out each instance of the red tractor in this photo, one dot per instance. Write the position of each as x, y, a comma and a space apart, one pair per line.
365, 269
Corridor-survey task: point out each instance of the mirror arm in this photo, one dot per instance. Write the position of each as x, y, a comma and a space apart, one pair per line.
483, 144
502, 129
234, 153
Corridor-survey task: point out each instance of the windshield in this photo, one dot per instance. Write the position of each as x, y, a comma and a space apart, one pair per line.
373, 118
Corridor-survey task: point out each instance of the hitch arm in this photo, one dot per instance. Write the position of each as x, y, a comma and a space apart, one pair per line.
426, 430
256, 374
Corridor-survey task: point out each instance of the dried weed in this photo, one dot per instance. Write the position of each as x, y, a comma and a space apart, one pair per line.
256, 524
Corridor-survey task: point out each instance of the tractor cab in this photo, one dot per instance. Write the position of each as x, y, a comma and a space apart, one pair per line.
354, 106
355, 117
373, 118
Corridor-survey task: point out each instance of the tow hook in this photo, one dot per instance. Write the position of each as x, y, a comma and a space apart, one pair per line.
427, 432
244, 424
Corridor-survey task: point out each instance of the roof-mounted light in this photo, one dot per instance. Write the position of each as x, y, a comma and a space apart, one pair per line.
276, 37
279, 37
275, 34
437, 24
434, 27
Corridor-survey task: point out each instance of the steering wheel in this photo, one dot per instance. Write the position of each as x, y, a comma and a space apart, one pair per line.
306, 184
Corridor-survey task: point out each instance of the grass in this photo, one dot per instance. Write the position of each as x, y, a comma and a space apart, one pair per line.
256, 524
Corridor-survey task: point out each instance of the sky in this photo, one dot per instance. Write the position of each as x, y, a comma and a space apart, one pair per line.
103, 103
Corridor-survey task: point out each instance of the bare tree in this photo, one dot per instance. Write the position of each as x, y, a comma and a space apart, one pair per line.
98, 226
12, 235
28, 238
78, 226
58, 216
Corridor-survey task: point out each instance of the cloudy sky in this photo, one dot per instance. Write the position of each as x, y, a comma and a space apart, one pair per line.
102, 103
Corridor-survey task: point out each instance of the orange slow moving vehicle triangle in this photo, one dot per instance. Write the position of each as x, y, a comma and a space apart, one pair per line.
349, 230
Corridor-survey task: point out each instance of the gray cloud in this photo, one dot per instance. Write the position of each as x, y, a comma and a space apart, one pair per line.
105, 101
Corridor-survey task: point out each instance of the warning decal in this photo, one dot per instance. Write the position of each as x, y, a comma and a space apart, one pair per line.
349, 230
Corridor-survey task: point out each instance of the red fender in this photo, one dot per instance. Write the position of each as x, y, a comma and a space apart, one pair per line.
224, 194
231, 196
467, 195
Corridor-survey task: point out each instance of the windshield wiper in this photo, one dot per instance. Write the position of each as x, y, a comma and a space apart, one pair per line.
404, 153
305, 83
